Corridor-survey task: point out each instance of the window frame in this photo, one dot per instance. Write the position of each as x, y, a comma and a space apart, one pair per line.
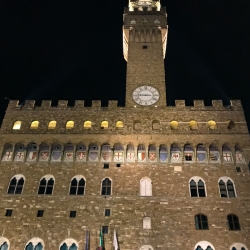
47, 178
106, 187
225, 179
232, 224
196, 179
78, 179
201, 224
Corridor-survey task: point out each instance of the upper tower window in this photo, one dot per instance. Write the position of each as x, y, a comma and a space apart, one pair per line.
34, 125
52, 125
70, 124
104, 125
87, 124
193, 125
17, 125
174, 125
119, 125
212, 124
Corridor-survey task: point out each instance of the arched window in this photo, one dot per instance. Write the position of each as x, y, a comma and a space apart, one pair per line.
156, 125
211, 124
214, 154
230, 124
93, 152
233, 222
137, 125
238, 246
77, 185
4, 243
52, 125
81, 152
106, 153
175, 152
163, 153
17, 125
130, 153
146, 223
16, 184
193, 125
31, 152
197, 187
56, 154
146, 248
226, 186
69, 244
7, 152
19, 152
201, 153
69, 151
106, 187
174, 125
34, 125
145, 187
152, 157
204, 245
44, 152
35, 244
70, 124
104, 125
188, 153
46, 185
87, 124
119, 125
141, 154
118, 153
239, 154
201, 222
227, 154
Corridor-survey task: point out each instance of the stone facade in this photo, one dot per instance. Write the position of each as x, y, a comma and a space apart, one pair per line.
171, 208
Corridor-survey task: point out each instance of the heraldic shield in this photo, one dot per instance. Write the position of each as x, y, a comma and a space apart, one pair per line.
201, 156
163, 156
130, 156
227, 157
19, 156
118, 156
93, 156
32, 156
81, 156
214, 156
44, 156
56, 155
106, 156
141, 156
152, 156
7, 156
69, 156
175, 157
239, 158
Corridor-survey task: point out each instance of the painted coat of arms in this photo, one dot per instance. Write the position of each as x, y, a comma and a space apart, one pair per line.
152, 156
7, 156
118, 156
44, 156
81, 156
141, 156
130, 156
32, 156
19, 156
175, 157
239, 158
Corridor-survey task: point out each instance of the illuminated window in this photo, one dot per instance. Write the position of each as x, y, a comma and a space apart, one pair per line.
87, 124
119, 124
52, 125
212, 124
17, 125
146, 223
70, 124
104, 125
174, 125
34, 125
193, 125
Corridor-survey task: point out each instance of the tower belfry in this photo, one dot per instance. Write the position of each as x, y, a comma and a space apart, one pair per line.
144, 48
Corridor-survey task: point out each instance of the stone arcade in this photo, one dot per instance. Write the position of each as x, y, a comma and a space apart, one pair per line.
163, 177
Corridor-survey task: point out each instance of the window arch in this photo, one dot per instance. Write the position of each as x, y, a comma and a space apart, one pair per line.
70, 124
34, 125
174, 125
214, 154
104, 125
175, 152
44, 152
119, 125
31, 152
52, 125
201, 222
87, 124
4, 243
230, 124
238, 246
204, 245
193, 125
197, 187
56, 153
19, 152
69, 151
77, 185
233, 222
147, 247
227, 154
17, 125
106, 188
156, 125
7, 152
188, 153
35, 244
146, 223
145, 187
46, 185
16, 184
212, 124
69, 244
201, 153
226, 186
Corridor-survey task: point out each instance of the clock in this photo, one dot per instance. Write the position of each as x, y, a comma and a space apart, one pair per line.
145, 95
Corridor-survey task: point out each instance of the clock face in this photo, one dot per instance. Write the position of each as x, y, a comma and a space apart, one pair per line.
145, 95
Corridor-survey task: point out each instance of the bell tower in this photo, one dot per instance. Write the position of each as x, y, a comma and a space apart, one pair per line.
144, 48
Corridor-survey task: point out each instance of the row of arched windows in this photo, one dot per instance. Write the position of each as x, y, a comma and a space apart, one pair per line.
78, 183
71, 244
201, 222
120, 153
69, 125
193, 125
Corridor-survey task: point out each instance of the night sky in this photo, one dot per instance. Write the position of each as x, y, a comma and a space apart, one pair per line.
72, 50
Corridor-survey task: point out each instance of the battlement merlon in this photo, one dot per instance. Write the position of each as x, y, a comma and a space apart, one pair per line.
112, 104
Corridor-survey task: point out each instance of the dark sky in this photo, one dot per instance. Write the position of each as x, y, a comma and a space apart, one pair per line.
73, 50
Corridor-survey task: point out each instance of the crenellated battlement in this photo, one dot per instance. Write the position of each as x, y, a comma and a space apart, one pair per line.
112, 104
